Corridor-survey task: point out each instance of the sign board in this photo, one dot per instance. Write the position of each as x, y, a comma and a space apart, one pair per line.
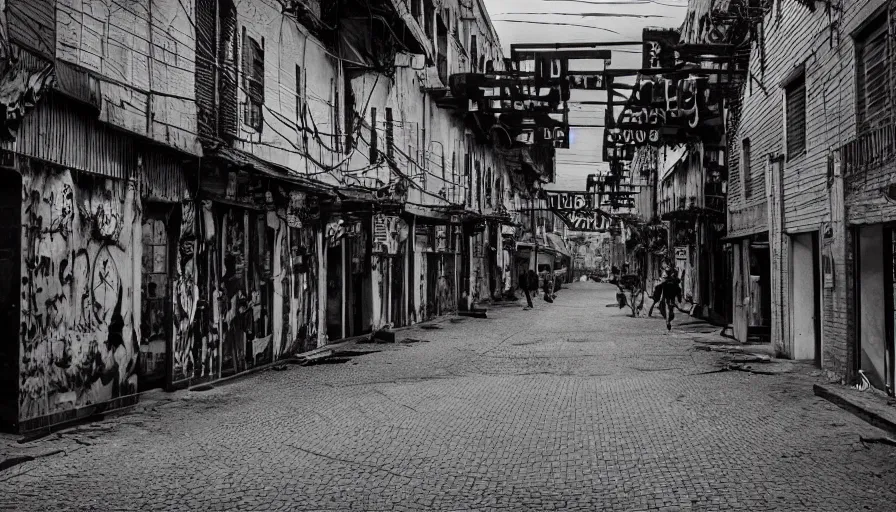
584, 220
568, 200
681, 255
666, 109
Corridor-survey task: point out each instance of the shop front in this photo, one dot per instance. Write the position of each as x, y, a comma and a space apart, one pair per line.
391, 234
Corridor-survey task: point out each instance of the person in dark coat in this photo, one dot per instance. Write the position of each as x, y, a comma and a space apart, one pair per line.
524, 284
669, 297
533, 282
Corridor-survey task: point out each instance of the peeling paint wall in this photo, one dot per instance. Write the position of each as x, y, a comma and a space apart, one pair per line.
79, 293
143, 55
302, 127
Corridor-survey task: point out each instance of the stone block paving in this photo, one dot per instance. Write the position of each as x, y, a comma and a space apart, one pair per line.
571, 406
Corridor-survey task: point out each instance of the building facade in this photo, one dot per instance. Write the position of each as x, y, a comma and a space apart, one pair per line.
196, 188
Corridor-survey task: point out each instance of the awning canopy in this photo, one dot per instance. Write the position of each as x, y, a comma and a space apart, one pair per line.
243, 159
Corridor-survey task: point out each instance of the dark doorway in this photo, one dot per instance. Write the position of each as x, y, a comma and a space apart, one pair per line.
10, 275
396, 283
334, 292
816, 271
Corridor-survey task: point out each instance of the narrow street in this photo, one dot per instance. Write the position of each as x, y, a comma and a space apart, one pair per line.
571, 406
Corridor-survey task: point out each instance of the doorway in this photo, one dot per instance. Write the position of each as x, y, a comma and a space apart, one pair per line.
155, 298
805, 335
334, 291
873, 282
10, 274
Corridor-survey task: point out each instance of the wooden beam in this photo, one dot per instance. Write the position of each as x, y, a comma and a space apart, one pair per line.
557, 46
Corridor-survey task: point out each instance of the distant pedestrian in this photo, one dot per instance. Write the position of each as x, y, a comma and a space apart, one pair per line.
533, 282
548, 283
527, 288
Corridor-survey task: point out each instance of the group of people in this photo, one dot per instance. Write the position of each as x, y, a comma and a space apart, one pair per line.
530, 281
667, 294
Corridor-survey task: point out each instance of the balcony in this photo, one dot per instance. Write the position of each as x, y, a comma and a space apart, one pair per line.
869, 150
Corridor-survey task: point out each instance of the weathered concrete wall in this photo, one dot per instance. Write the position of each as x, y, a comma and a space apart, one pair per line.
143, 55
292, 113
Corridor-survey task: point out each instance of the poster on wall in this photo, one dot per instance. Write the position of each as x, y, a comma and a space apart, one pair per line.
681, 256
295, 211
441, 238
388, 232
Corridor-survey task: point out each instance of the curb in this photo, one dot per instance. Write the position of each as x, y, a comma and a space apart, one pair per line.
865, 408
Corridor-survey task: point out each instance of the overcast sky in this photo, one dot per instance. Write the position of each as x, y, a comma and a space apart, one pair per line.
584, 156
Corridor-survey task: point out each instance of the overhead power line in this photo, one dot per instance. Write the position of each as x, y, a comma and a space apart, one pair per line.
584, 14
557, 24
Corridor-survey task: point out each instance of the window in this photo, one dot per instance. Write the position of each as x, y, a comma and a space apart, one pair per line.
373, 137
488, 187
415, 9
795, 96
390, 135
253, 81
745, 174
468, 170
429, 11
478, 182
349, 115
300, 118
474, 53
872, 76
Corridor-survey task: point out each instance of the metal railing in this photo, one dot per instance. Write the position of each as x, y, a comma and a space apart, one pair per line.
869, 150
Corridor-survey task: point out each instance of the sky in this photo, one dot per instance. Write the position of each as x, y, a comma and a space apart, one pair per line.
584, 155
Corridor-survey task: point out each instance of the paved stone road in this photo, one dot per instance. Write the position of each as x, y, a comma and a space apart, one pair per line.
572, 406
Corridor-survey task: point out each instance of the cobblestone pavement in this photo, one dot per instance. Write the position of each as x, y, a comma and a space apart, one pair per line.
571, 406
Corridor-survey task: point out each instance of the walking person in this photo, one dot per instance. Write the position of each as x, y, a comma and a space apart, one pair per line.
548, 283
671, 296
533, 283
524, 284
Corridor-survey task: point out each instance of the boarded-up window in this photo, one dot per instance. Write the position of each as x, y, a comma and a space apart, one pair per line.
206, 67
796, 117
215, 86
228, 106
745, 173
872, 76
253, 81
